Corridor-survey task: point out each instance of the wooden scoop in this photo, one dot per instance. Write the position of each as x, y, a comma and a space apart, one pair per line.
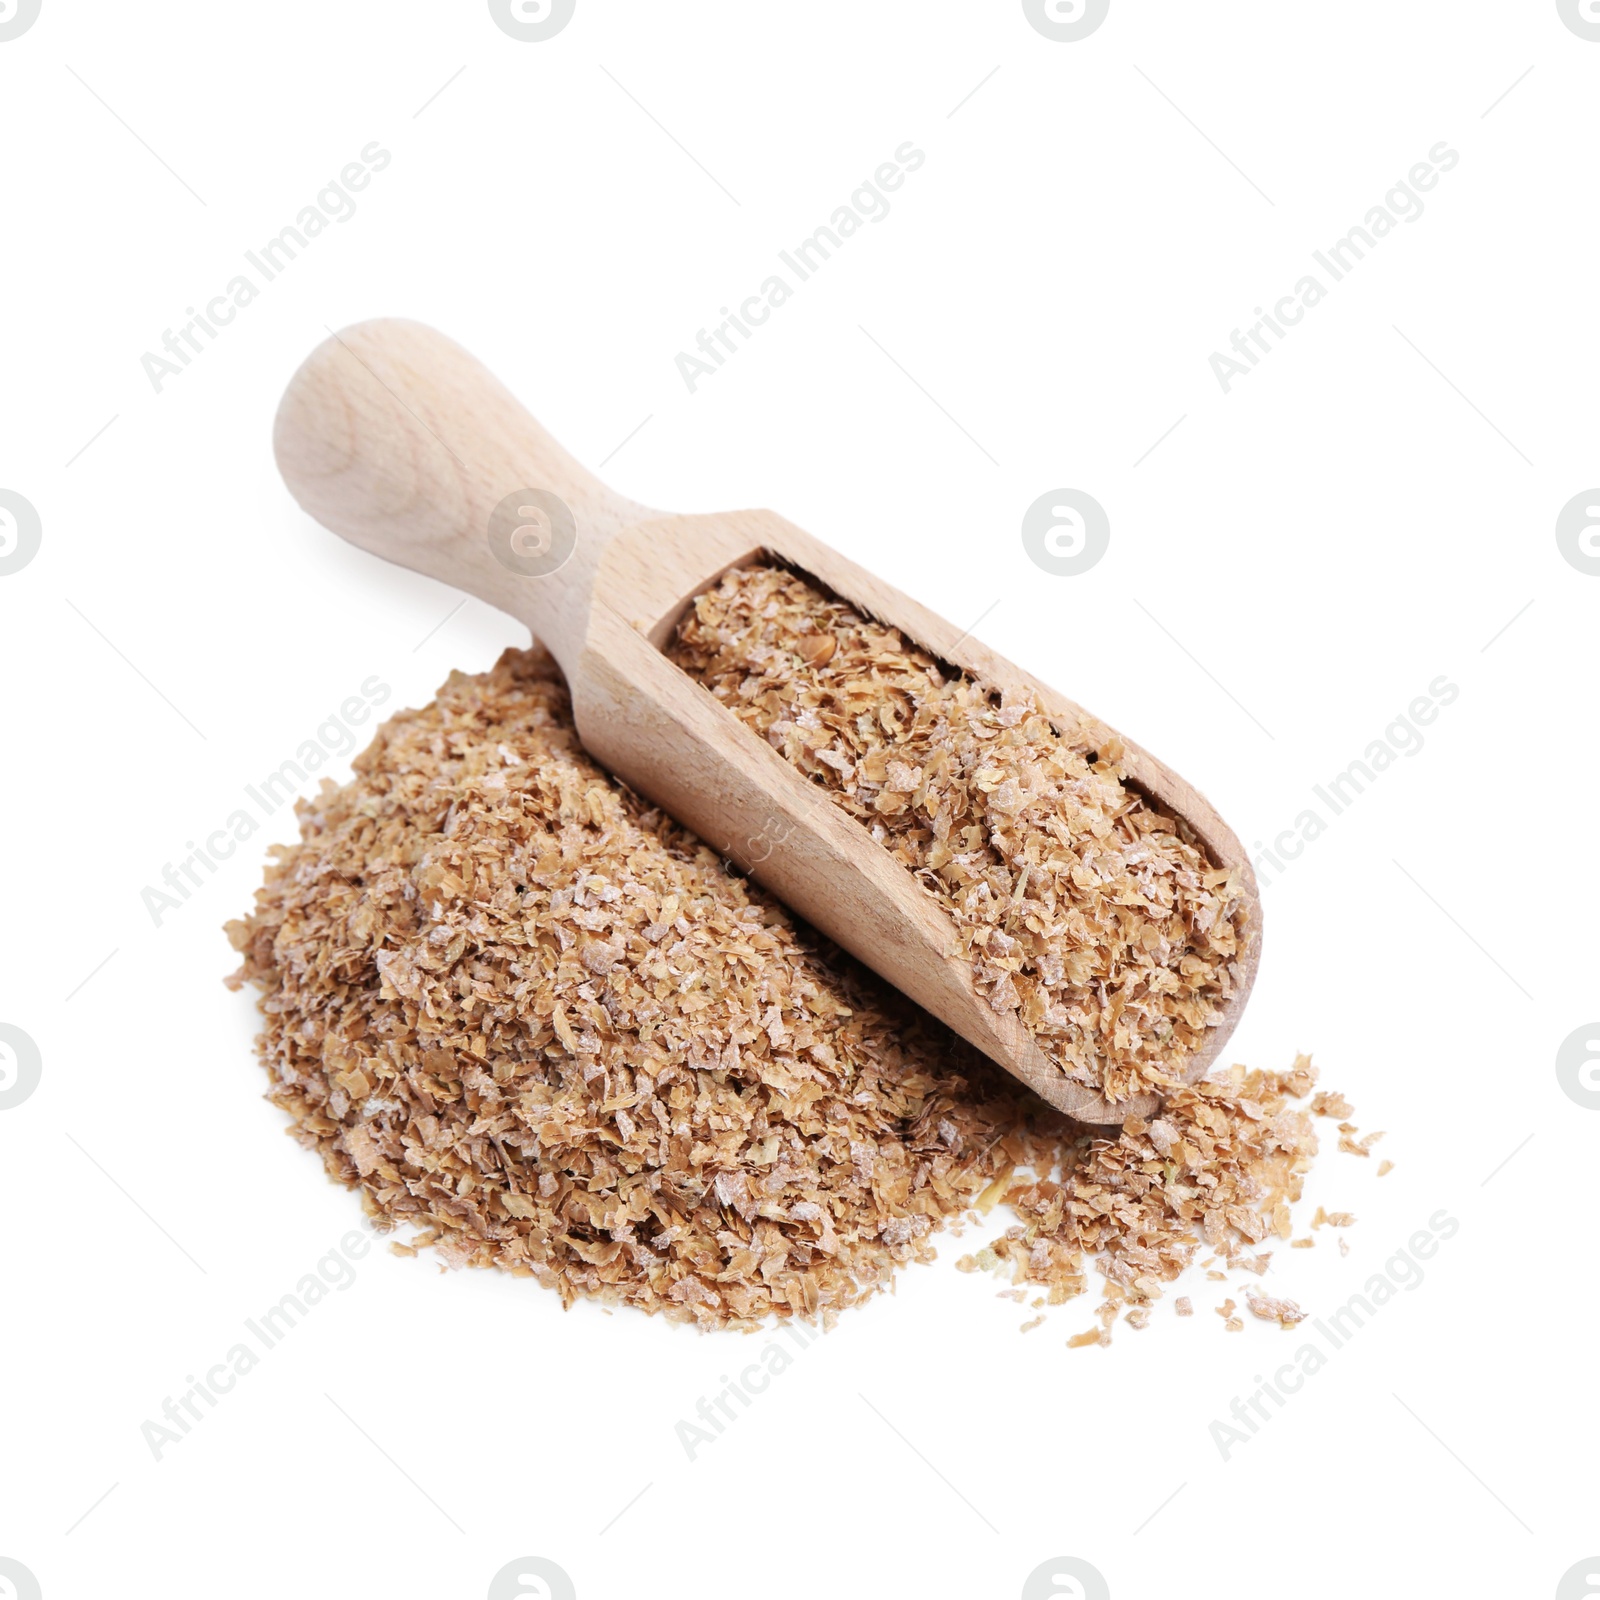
398, 440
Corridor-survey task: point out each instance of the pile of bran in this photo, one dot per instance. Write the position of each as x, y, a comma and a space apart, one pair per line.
536, 1022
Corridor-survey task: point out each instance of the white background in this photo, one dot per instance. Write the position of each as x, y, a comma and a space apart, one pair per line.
1289, 567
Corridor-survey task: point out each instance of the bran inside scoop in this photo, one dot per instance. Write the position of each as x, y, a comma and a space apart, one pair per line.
1095, 917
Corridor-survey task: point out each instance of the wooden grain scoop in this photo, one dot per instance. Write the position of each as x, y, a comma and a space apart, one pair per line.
398, 440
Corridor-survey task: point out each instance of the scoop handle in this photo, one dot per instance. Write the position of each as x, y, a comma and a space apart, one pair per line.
398, 440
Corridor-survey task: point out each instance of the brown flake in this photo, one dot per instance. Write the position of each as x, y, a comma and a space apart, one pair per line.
1354, 1146
1333, 1219
1284, 1312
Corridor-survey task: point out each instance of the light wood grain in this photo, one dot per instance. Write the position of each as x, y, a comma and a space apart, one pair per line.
394, 437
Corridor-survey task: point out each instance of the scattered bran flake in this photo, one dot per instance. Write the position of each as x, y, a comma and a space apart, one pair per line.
1331, 1105
1306, 1243
1344, 1245
1080, 1341
541, 1028
1284, 1312
1233, 1325
1226, 1309
1333, 1219
1183, 1306
1095, 917
1302, 1077
1385, 1168
1357, 1147
1031, 1324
